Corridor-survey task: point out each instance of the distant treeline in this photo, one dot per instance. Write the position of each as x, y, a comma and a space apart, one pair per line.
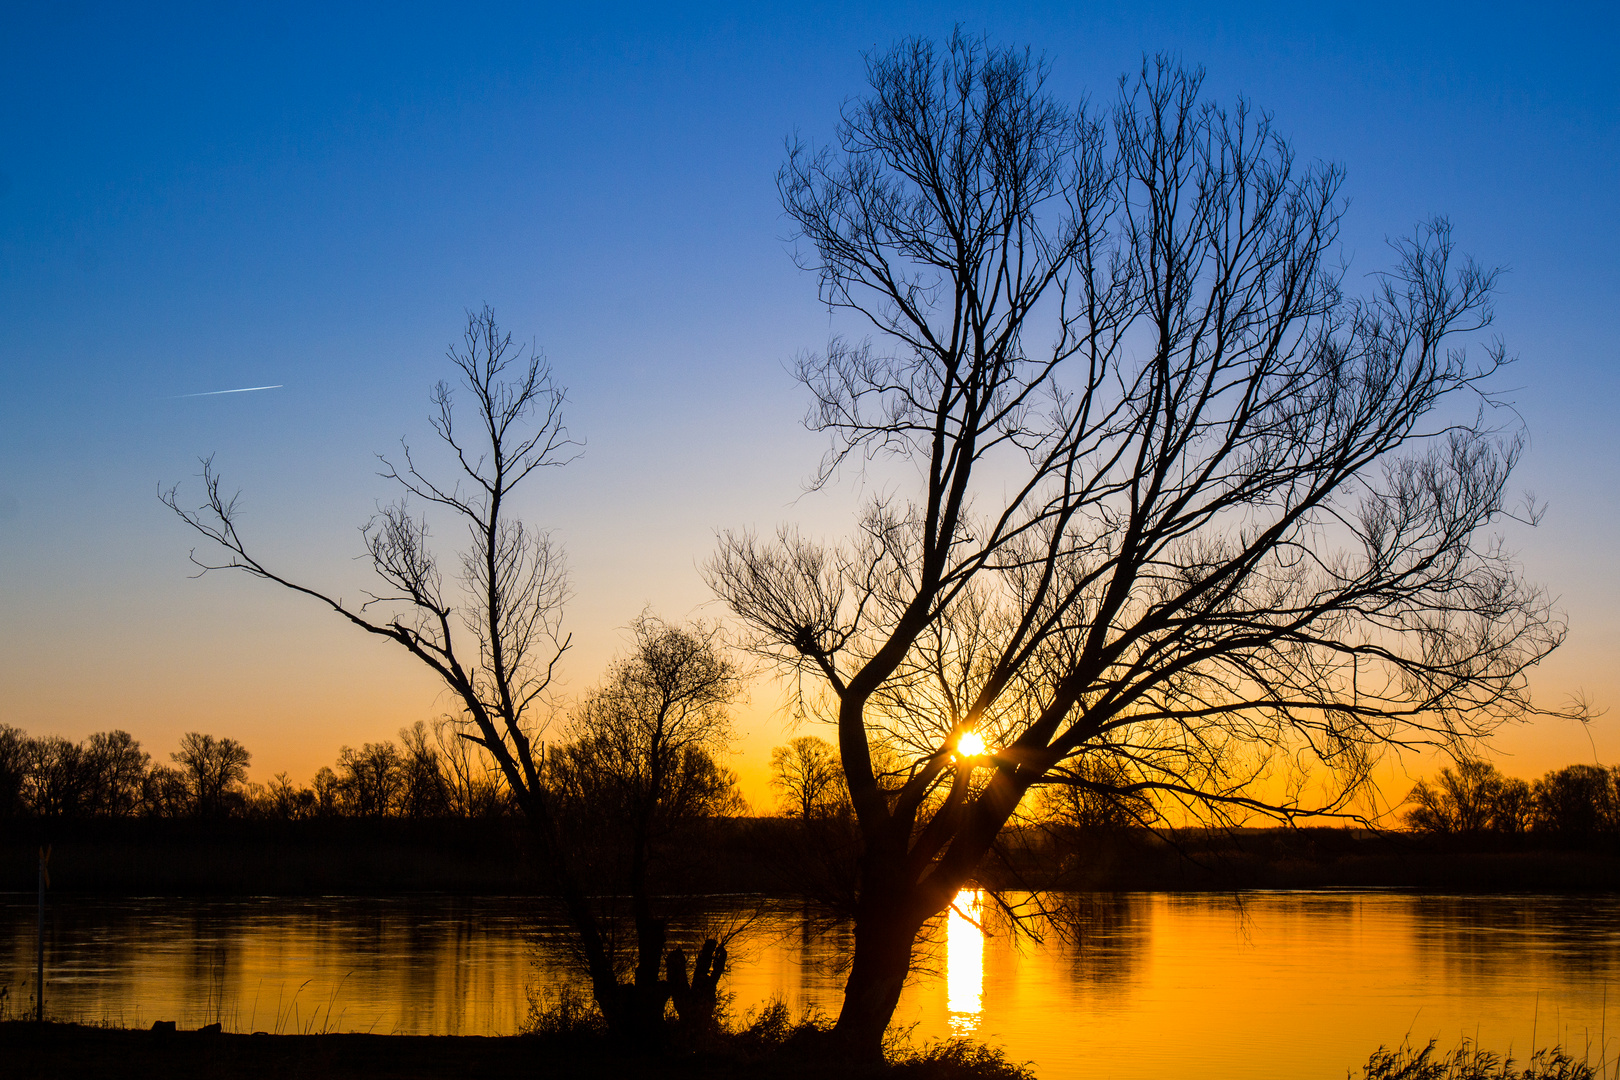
1576, 802
429, 813
429, 773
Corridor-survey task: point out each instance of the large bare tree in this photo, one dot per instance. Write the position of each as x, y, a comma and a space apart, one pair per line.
1182, 500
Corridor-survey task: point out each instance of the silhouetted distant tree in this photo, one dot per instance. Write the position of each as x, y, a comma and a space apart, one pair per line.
475, 785
285, 801
52, 776
56, 776
1472, 798
14, 761
1578, 802
1181, 499
371, 777
808, 779
1515, 807
1096, 793
213, 770
424, 790
165, 793
817, 859
329, 793
114, 773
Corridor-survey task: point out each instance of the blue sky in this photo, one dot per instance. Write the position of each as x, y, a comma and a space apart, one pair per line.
195, 198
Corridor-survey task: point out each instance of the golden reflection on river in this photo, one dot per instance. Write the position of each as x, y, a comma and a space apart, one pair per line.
1258, 986
964, 962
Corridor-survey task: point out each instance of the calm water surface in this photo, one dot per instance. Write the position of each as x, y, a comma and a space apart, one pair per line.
1291, 986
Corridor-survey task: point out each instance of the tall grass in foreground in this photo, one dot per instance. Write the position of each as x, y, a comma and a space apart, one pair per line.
1469, 1062
773, 1037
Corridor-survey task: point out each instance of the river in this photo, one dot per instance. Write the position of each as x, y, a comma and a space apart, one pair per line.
1284, 985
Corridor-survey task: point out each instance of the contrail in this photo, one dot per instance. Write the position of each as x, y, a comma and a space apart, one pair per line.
239, 390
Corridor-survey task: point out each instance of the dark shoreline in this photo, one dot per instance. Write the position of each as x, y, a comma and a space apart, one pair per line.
53, 1051
763, 855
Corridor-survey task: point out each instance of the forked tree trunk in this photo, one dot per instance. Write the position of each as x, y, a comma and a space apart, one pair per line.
696, 997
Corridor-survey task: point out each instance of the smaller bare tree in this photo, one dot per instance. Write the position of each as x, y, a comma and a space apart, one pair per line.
491, 628
640, 771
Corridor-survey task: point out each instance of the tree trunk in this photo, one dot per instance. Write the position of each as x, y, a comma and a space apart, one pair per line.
891, 910
643, 1000
604, 984
646, 996
881, 963
613, 1000
887, 918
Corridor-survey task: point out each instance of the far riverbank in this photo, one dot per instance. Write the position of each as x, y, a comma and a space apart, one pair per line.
775, 856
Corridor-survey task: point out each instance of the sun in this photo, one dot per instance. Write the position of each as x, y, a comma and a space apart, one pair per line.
970, 744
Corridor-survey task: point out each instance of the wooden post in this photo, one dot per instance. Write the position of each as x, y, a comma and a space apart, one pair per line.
39, 939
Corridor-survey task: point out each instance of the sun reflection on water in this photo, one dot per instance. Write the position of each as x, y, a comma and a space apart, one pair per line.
964, 962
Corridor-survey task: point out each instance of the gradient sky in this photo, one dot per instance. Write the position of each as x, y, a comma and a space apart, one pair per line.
196, 198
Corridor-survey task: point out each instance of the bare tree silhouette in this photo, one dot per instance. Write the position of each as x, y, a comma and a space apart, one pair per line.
807, 777
213, 770
1183, 502
491, 629
637, 778
1473, 797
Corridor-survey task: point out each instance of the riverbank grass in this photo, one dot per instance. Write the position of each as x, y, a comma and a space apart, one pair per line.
1469, 1062
771, 1041
766, 1049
